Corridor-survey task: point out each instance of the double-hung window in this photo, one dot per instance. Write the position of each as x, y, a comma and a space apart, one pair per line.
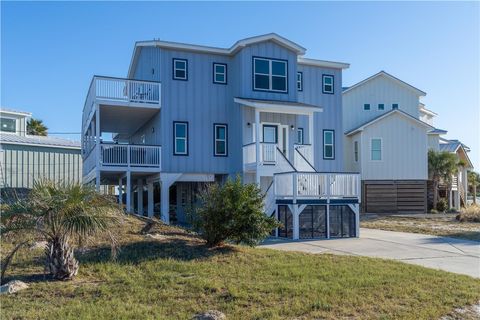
180, 132
300, 81
180, 69
328, 144
8, 125
220, 73
220, 140
376, 149
327, 84
269, 75
300, 135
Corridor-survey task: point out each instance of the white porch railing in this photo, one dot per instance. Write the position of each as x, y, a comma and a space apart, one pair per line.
268, 153
121, 90
130, 155
316, 185
300, 161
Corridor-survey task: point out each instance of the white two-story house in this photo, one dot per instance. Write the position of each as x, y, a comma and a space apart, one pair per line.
388, 133
187, 115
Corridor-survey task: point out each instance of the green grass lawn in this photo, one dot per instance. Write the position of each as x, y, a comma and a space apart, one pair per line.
439, 224
176, 276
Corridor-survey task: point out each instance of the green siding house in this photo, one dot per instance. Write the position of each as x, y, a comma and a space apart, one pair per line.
25, 159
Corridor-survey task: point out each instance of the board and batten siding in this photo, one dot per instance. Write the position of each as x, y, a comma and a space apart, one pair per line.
374, 92
22, 165
404, 149
329, 119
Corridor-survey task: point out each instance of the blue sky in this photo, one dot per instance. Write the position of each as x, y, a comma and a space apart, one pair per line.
49, 51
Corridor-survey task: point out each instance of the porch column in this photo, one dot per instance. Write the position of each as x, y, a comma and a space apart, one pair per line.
129, 191
120, 191
310, 136
457, 199
97, 146
165, 201
140, 197
276, 217
296, 222
150, 199
257, 145
328, 221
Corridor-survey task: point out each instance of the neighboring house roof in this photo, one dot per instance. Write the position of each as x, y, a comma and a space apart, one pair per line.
427, 111
287, 105
453, 146
389, 76
380, 117
437, 131
38, 141
299, 50
17, 112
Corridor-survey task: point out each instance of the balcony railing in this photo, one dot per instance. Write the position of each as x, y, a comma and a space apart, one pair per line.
126, 155
316, 185
118, 90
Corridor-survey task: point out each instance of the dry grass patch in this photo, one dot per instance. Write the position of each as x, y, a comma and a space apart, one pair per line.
175, 276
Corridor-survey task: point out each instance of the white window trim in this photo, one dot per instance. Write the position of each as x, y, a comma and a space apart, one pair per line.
323, 83
299, 81
17, 129
224, 73
329, 144
175, 60
181, 138
381, 149
270, 75
218, 139
356, 151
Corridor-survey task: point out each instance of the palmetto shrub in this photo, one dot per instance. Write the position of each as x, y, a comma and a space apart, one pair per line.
469, 214
61, 215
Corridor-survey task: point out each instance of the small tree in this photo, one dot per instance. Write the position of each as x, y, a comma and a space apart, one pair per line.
232, 211
474, 182
35, 127
60, 215
441, 166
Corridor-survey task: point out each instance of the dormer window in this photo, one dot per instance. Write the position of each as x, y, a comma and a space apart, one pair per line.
7, 125
180, 69
270, 75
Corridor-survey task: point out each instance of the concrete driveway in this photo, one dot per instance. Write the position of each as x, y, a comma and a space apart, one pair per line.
454, 255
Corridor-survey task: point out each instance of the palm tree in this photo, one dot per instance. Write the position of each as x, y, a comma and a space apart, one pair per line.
441, 166
61, 214
474, 181
36, 127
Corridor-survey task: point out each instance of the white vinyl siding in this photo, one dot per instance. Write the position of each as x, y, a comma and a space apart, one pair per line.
270, 75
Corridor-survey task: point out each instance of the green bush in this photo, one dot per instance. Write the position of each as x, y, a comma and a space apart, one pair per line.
442, 205
469, 214
433, 211
232, 212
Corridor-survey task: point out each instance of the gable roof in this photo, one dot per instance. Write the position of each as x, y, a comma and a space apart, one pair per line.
388, 76
299, 50
380, 117
453, 146
437, 131
237, 46
39, 141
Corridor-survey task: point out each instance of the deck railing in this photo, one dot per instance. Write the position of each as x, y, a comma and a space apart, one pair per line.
317, 185
130, 155
306, 150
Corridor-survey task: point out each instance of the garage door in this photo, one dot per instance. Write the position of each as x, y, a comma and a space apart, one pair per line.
397, 196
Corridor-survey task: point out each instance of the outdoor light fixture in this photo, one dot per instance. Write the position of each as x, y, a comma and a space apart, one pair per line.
248, 124
292, 127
